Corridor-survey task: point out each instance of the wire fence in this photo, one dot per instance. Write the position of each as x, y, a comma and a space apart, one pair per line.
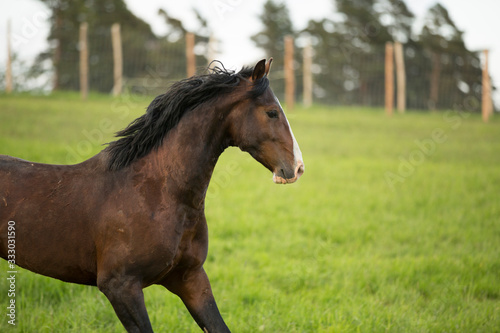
433, 81
148, 64
447, 82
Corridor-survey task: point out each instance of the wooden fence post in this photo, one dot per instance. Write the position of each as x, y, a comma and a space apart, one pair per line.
486, 102
289, 75
401, 77
84, 61
307, 75
389, 78
190, 57
116, 42
8, 70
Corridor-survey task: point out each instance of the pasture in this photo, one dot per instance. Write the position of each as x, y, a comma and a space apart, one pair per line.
394, 227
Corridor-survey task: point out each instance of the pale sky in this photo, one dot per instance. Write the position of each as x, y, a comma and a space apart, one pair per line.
234, 21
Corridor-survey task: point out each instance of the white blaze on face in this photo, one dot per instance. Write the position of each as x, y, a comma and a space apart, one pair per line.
298, 161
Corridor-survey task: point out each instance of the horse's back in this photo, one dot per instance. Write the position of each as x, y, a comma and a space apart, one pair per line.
14, 167
18, 175
7, 158
12, 170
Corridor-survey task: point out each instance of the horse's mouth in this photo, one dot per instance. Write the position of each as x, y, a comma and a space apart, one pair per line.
280, 177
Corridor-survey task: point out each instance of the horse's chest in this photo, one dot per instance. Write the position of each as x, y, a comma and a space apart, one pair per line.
184, 245
193, 244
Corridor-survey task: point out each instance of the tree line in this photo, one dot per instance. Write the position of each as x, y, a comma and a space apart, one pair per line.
348, 44
441, 72
145, 53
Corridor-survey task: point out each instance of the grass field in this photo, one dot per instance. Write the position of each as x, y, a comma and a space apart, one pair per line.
394, 227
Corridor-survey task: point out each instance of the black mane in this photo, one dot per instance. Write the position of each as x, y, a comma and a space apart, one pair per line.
146, 133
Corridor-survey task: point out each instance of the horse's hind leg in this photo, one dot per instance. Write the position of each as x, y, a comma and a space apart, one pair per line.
193, 287
127, 298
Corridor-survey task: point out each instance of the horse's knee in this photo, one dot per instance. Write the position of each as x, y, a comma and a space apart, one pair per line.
112, 285
104, 285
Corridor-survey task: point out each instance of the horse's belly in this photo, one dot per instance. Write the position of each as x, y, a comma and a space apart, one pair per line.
60, 255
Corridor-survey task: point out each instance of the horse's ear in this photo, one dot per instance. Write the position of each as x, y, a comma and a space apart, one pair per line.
259, 70
268, 65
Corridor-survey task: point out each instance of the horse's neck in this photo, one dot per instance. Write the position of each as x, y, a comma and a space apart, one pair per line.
189, 154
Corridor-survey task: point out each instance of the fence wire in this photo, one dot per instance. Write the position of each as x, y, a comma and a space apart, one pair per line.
443, 81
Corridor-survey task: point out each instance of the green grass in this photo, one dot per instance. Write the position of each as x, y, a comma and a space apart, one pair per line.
379, 235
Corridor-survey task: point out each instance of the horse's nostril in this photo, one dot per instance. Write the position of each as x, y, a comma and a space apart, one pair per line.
300, 168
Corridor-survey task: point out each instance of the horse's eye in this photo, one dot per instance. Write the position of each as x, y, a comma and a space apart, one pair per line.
272, 114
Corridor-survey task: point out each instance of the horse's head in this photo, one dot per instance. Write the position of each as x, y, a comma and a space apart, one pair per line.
259, 126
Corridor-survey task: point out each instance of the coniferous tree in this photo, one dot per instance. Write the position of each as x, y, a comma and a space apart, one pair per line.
350, 52
277, 24
153, 60
177, 42
440, 71
455, 71
100, 15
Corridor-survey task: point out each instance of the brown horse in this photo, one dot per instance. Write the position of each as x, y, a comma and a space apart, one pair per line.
133, 215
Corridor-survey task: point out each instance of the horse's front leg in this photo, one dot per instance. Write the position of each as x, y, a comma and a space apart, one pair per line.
193, 287
127, 298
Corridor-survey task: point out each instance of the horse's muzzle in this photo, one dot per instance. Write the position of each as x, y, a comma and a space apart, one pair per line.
299, 170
